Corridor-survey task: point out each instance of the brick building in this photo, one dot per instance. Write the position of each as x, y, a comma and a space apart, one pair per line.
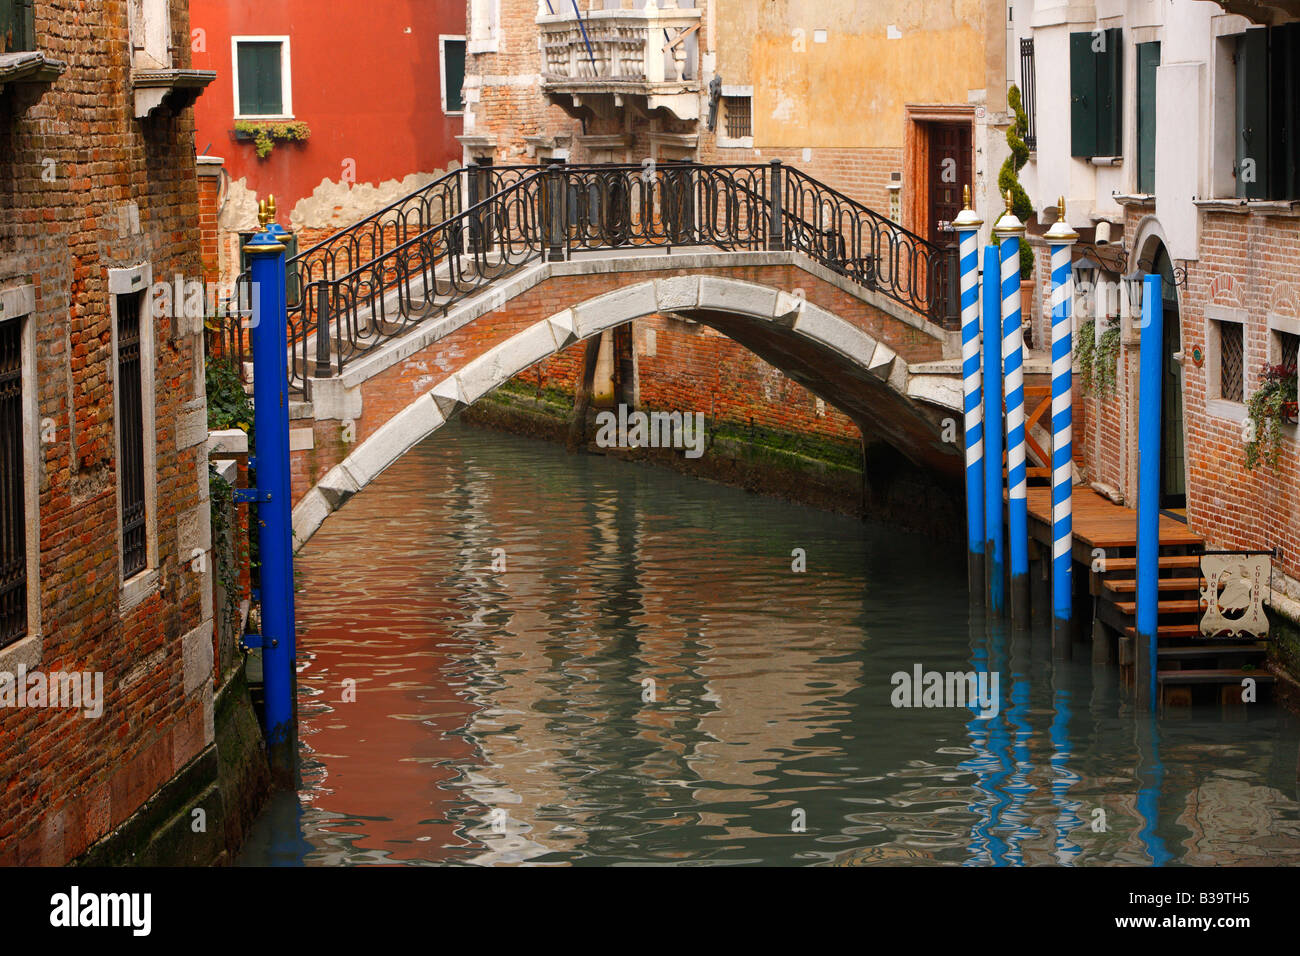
105, 554
1153, 138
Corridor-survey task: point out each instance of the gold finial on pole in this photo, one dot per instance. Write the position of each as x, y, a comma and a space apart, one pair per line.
1008, 200
965, 196
966, 219
262, 217
1060, 231
270, 208
1008, 224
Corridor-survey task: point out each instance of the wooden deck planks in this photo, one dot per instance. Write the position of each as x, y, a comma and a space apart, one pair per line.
1100, 523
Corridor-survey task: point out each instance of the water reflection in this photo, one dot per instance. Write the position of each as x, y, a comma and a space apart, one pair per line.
649, 682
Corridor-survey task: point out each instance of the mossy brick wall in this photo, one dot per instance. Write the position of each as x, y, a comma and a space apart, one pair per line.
123, 192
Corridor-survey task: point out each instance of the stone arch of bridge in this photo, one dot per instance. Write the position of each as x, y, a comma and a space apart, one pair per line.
829, 355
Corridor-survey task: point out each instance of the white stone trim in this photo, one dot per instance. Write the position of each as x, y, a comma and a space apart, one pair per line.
19, 305
286, 77
121, 282
442, 72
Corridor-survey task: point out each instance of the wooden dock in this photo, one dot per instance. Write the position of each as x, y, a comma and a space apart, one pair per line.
1105, 555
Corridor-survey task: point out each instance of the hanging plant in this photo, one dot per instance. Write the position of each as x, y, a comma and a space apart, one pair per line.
1085, 352
1098, 357
1271, 406
265, 135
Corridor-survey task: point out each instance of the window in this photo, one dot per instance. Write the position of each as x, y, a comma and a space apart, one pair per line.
1096, 62
1027, 86
1267, 155
1148, 58
262, 77
453, 74
736, 124
17, 26
1288, 349
1231, 362
130, 407
13, 519
739, 123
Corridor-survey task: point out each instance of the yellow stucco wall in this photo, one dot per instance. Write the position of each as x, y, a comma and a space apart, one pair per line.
850, 90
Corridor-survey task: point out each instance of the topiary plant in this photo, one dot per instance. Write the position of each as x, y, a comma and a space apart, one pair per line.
1009, 175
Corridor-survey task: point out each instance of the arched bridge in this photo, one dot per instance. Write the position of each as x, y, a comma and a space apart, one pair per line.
419, 310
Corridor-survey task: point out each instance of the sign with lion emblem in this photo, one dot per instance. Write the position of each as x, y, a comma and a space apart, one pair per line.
1234, 594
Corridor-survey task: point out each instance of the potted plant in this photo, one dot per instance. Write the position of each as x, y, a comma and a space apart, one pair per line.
1271, 406
264, 135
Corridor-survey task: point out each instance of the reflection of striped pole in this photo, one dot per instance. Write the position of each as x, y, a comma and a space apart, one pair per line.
967, 225
1008, 230
993, 535
1060, 238
1151, 359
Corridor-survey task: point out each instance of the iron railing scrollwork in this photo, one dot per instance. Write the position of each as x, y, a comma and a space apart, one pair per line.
417, 257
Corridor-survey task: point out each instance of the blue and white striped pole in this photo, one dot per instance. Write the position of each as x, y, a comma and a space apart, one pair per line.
1150, 369
1008, 231
1060, 238
967, 225
993, 534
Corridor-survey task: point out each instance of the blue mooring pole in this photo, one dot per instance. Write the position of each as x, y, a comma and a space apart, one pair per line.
993, 535
1060, 238
967, 225
1008, 231
1148, 505
272, 494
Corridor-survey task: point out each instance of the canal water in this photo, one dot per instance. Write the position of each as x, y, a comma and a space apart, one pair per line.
513, 655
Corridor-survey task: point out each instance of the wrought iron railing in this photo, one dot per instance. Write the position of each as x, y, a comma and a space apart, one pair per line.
419, 256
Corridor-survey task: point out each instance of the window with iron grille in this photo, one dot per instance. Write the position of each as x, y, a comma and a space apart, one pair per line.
13, 524
1288, 349
130, 399
1231, 361
1027, 96
739, 116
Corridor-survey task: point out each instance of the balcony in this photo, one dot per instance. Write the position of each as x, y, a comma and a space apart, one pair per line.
598, 60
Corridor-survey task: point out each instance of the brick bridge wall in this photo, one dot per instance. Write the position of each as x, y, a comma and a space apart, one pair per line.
691, 370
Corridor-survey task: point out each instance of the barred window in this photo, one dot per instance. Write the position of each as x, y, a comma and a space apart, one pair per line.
1231, 361
13, 524
131, 434
738, 116
1288, 349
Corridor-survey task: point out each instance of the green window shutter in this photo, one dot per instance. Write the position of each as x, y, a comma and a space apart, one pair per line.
1284, 96
453, 72
1083, 96
17, 26
1148, 58
261, 91
1110, 94
1253, 147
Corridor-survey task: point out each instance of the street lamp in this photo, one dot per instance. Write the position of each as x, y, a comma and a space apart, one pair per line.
1133, 286
1085, 278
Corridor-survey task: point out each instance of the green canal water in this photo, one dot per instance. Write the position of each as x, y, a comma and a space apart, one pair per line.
512, 655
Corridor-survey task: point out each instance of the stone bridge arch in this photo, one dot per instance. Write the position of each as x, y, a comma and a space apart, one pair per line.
834, 358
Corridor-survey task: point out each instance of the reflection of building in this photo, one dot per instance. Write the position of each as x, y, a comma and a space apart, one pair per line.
376, 86
1166, 131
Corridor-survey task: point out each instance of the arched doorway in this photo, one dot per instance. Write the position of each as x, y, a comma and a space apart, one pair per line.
1173, 448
